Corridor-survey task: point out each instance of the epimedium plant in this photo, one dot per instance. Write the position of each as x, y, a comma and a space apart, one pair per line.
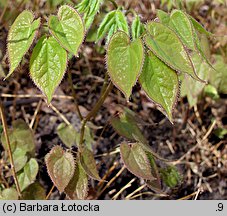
157, 55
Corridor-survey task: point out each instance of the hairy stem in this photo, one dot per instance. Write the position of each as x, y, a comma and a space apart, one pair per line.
5, 130
94, 111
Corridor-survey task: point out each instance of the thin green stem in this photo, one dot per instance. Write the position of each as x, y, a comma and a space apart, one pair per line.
5, 130
94, 111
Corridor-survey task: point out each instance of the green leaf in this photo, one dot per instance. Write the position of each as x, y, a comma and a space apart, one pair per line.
191, 88
47, 65
170, 176
21, 130
88, 163
154, 185
28, 175
121, 22
68, 134
106, 24
124, 61
160, 83
88, 138
112, 31
34, 192
17, 136
12, 140
60, 167
136, 160
89, 8
19, 158
67, 28
202, 46
137, 28
114, 21
9, 194
218, 78
126, 126
180, 22
163, 17
20, 38
83, 5
199, 27
78, 186
211, 92
167, 46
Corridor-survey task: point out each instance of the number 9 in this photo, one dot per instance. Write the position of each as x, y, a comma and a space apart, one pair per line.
220, 206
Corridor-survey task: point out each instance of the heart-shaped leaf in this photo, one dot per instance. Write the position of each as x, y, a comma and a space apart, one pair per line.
78, 186
68, 134
160, 83
28, 175
47, 65
136, 160
17, 136
67, 28
60, 167
88, 163
124, 61
167, 46
20, 38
